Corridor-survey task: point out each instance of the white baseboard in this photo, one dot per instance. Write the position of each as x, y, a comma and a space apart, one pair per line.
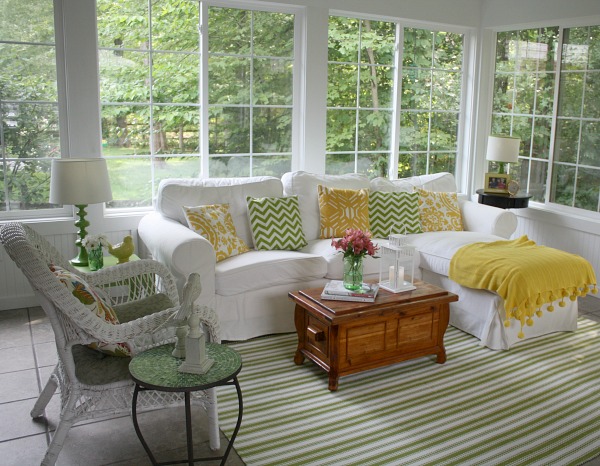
18, 302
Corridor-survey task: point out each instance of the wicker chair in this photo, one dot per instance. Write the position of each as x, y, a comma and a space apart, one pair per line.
144, 297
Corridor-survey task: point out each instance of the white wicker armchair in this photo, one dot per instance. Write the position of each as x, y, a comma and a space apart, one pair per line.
145, 301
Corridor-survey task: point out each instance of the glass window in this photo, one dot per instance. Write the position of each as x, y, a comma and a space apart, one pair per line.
362, 98
250, 92
29, 130
150, 73
558, 160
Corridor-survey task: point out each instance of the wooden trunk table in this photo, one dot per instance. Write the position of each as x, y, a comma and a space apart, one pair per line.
346, 337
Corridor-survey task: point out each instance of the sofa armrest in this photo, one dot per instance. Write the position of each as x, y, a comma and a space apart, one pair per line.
182, 250
487, 219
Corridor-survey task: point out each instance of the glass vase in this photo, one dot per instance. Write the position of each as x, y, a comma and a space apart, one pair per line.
353, 272
95, 258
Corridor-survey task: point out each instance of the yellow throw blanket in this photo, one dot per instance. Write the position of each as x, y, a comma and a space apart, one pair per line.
524, 274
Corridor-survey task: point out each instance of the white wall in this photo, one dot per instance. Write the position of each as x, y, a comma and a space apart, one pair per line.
497, 13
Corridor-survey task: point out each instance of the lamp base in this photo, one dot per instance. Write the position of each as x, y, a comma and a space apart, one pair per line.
81, 260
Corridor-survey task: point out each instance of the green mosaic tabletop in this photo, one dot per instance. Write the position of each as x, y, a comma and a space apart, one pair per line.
157, 368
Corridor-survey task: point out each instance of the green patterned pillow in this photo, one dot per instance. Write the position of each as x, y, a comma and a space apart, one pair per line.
275, 223
392, 212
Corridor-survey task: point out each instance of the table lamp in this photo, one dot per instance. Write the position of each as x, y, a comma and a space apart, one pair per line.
80, 182
503, 149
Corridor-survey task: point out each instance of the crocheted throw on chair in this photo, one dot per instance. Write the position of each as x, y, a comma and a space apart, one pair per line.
524, 274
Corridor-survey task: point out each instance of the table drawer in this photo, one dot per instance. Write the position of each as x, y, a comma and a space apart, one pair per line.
317, 337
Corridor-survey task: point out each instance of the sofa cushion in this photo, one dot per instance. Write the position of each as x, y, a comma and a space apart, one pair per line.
304, 185
396, 212
175, 193
439, 182
435, 249
259, 269
214, 222
341, 209
439, 211
276, 223
91, 298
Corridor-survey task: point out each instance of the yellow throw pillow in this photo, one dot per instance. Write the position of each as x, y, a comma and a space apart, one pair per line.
341, 209
214, 222
439, 211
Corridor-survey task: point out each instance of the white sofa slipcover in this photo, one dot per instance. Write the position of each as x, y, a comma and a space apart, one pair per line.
249, 291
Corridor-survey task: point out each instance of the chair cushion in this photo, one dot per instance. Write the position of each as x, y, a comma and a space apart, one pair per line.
439, 211
214, 222
393, 212
275, 223
90, 297
341, 209
92, 368
132, 310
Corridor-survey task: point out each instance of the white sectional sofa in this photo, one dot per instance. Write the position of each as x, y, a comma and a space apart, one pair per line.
249, 291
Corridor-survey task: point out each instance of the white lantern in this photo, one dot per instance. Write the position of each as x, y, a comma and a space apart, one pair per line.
396, 259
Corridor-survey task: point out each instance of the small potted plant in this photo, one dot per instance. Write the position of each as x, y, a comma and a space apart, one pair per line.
93, 245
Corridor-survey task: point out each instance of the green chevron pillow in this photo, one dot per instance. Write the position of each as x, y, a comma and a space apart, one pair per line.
392, 212
275, 223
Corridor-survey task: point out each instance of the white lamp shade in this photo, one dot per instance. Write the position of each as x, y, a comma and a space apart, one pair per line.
503, 149
79, 181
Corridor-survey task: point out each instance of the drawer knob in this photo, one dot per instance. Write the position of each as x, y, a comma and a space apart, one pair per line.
316, 334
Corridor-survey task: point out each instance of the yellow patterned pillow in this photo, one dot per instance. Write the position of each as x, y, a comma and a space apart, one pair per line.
341, 209
439, 211
214, 222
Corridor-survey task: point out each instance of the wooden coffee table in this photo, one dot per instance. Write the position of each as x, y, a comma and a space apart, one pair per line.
347, 337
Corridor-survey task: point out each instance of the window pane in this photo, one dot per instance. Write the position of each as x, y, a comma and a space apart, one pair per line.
590, 143
273, 82
444, 131
374, 130
125, 77
338, 164
414, 131
541, 138
225, 167
27, 184
175, 130
567, 141
504, 93
571, 94
343, 39
175, 15
412, 164
341, 86
229, 30
591, 107
272, 130
376, 87
130, 181
341, 130
273, 34
442, 163
445, 90
27, 21
30, 130
271, 165
228, 80
416, 89
417, 48
27, 72
125, 130
176, 167
377, 41
587, 195
563, 184
175, 78
123, 24
448, 52
229, 130
537, 180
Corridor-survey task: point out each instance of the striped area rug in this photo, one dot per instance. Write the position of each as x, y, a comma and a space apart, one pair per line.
538, 403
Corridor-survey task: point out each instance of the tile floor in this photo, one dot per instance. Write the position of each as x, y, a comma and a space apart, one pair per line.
28, 355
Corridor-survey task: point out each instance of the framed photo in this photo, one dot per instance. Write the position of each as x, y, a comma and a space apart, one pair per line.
496, 183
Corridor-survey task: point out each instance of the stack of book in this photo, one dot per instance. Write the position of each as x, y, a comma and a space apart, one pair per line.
335, 290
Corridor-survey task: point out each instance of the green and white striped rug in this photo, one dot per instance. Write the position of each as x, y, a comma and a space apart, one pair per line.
538, 403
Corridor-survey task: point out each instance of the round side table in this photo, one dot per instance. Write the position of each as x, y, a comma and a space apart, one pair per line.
156, 369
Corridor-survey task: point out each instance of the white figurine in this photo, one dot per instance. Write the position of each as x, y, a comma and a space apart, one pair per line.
194, 349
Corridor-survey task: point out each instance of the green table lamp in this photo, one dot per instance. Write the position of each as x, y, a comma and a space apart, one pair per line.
80, 182
502, 149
